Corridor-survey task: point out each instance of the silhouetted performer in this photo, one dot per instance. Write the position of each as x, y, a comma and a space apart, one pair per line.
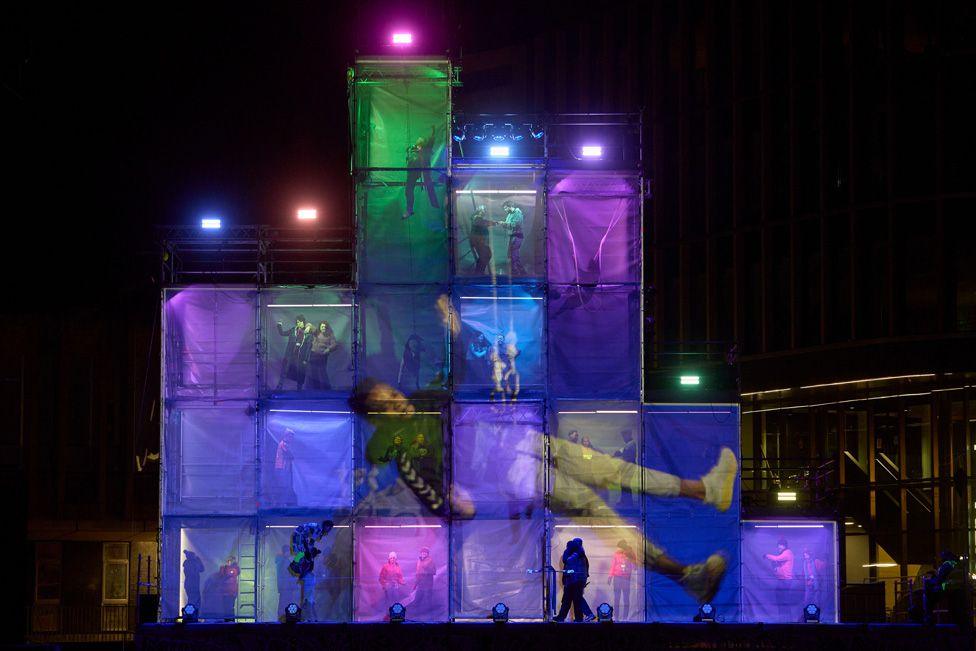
295, 359
419, 155
514, 219
576, 572
948, 584
192, 569
478, 238
303, 566
408, 379
424, 582
284, 476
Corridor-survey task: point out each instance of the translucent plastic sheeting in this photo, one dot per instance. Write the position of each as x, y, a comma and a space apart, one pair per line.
594, 228
594, 342
614, 548
395, 104
307, 455
208, 562
404, 339
403, 463
595, 453
500, 344
210, 457
314, 358
692, 510
332, 583
416, 579
787, 564
497, 459
396, 249
210, 343
499, 224
492, 559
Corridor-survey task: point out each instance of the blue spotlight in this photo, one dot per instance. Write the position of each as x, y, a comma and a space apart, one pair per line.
706, 613
293, 614
398, 613
190, 614
604, 613
499, 614
498, 151
811, 614
210, 223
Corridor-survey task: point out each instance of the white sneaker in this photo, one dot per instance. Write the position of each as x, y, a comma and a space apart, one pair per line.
720, 481
702, 580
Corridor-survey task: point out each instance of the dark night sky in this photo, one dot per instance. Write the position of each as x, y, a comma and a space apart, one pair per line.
119, 118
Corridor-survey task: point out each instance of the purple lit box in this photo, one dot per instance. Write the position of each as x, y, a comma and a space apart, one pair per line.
375, 539
497, 459
594, 228
209, 456
594, 341
778, 582
210, 343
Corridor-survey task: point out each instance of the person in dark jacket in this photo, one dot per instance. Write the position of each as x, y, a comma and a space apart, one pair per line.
576, 572
418, 161
408, 379
192, 569
297, 349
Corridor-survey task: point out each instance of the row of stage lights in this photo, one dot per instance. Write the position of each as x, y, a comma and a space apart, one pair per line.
499, 613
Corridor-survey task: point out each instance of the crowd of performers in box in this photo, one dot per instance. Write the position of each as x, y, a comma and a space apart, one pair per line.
306, 356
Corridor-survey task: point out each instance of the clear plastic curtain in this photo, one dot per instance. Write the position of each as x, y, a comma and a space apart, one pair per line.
613, 548
787, 564
594, 228
692, 510
314, 359
404, 337
497, 459
594, 342
307, 456
483, 244
333, 569
208, 562
402, 560
210, 459
492, 559
395, 248
210, 341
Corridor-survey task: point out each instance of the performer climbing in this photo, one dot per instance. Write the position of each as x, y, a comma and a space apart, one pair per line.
419, 156
303, 541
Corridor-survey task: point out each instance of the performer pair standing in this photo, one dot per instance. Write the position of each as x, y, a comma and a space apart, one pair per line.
478, 236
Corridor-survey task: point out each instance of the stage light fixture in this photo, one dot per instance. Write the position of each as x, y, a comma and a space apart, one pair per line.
591, 151
786, 496
190, 614
690, 380
604, 613
293, 613
499, 613
811, 614
398, 613
498, 151
402, 38
706, 613
307, 214
210, 223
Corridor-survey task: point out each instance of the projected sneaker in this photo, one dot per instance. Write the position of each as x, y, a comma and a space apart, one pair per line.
720, 481
702, 580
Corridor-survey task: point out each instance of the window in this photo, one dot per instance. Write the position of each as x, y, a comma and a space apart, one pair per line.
47, 573
115, 573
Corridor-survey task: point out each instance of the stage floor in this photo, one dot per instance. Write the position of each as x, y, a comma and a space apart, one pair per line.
512, 636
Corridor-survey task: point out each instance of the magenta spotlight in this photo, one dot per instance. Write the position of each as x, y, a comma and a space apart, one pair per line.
402, 38
307, 214
592, 151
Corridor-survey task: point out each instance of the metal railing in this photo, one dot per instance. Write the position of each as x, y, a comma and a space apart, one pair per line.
90, 623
